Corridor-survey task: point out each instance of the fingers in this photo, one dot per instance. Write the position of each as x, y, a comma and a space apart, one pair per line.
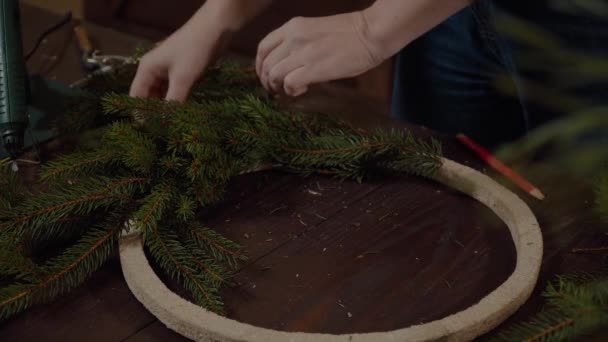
291, 75
301, 75
179, 87
151, 81
143, 83
277, 71
265, 47
296, 82
297, 71
323, 69
277, 57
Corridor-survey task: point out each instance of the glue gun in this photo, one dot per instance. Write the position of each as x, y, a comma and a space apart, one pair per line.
31, 102
13, 80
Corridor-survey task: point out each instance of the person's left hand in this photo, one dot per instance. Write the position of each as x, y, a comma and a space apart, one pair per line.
312, 50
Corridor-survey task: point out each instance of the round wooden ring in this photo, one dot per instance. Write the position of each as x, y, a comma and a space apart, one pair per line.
196, 323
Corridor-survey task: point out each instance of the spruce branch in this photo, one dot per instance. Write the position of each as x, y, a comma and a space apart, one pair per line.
153, 207
173, 258
185, 208
12, 191
14, 264
578, 306
213, 271
138, 109
72, 226
136, 150
65, 272
157, 163
78, 164
222, 249
79, 199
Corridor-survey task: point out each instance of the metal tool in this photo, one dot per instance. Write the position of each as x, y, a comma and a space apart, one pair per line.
85, 46
92, 59
107, 63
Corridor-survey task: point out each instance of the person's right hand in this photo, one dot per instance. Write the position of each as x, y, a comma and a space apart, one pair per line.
170, 69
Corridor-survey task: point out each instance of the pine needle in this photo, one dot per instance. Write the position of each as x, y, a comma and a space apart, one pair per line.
66, 271
171, 255
218, 246
578, 306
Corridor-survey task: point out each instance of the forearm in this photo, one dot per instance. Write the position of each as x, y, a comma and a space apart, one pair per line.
393, 24
226, 16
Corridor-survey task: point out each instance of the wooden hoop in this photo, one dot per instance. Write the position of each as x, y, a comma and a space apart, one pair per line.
196, 323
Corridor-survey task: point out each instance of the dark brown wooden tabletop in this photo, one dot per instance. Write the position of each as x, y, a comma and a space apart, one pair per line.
327, 256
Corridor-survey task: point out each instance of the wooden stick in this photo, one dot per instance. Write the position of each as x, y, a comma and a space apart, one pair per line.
499, 166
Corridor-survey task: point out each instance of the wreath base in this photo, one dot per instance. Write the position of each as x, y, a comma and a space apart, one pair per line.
199, 324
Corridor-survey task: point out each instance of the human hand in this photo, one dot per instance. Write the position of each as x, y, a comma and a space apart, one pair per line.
170, 69
312, 50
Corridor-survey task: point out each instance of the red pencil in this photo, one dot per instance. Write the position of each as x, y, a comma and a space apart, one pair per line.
499, 166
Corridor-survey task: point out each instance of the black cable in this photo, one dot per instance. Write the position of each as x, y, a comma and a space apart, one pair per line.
62, 23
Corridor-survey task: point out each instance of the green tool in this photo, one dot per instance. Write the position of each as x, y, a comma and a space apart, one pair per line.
29, 103
13, 80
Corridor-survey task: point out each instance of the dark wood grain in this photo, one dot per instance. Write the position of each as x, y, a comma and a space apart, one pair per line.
384, 257
329, 256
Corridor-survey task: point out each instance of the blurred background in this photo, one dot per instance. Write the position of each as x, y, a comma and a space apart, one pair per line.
60, 6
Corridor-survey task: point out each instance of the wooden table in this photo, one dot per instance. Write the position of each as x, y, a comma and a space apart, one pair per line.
327, 256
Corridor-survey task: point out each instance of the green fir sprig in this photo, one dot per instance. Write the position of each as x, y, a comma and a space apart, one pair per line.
152, 165
577, 307
577, 304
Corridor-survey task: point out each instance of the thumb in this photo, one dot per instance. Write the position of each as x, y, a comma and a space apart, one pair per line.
179, 87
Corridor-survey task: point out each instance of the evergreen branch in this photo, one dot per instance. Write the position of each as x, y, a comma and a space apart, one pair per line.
79, 199
209, 269
66, 271
214, 273
66, 228
52, 209
14, 264
153, 207
127, 184
136, 107
185, 208
175, 260
356, 156
365, 146
169, 158
13, 191
170, 165
219, 247
551, 330
578, 306
77, 164
135, 149
208, 192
